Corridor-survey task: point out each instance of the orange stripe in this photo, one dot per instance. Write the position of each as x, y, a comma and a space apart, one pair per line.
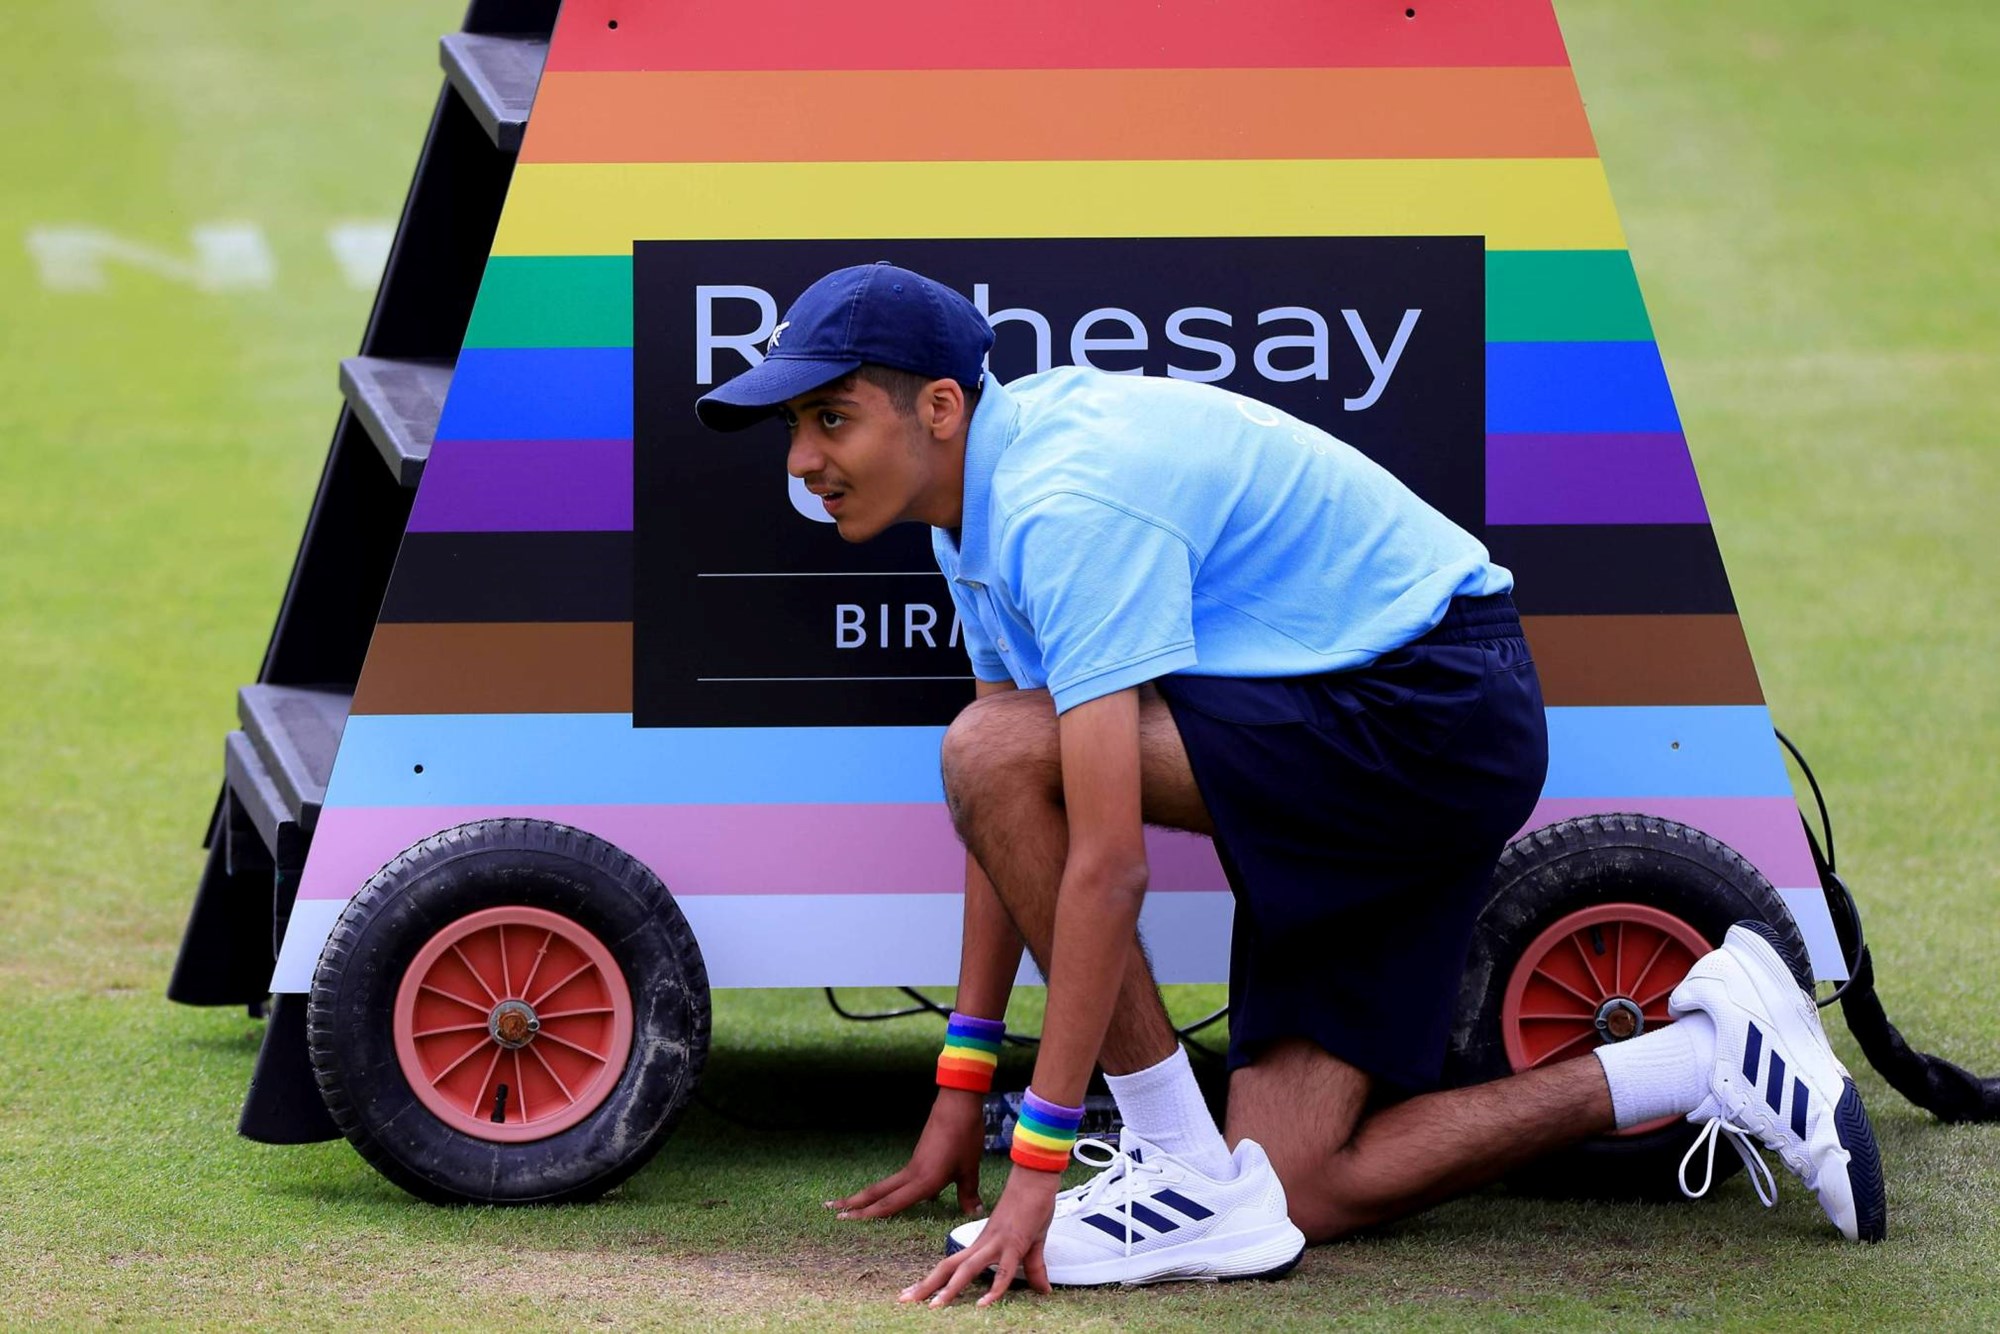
1056, 115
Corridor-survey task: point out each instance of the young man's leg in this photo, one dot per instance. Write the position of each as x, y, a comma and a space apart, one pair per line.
1003, 776
1343, 1170
1004, 781
1303, 1106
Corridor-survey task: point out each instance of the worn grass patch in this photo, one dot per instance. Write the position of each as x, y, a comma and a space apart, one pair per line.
1808, 191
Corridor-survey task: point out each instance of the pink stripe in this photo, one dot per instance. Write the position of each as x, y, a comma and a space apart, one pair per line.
1764, 831
792, 849
911, 848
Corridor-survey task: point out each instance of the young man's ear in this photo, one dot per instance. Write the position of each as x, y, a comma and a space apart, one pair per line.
941, 407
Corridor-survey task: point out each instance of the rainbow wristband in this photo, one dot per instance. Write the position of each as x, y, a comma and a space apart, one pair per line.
971, 1051
1044, 1133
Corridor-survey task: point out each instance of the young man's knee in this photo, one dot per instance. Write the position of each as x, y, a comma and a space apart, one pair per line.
1000, 746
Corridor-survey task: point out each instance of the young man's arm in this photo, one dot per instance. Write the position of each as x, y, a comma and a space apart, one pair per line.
1097, 911
953, 1142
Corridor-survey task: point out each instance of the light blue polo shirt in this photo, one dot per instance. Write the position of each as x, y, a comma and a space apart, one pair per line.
1121, 528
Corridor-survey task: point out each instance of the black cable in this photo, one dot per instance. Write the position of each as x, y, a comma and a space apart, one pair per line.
1191, 1029
928, 1006
1947, 1091
1825, 820
1829, 881
925, 1005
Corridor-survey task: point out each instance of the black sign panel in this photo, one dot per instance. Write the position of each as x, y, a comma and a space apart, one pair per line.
751, 611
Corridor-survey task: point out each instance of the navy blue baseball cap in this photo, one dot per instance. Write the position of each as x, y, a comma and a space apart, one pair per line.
867, 313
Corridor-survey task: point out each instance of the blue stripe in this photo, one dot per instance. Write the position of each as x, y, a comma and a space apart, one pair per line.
1535, 387
1173, 1199
600, 758
1116, 1227
567, 393
1707, 751
1799, 1097
1157, 1222
1752, 1050
585, 393
1774, 1088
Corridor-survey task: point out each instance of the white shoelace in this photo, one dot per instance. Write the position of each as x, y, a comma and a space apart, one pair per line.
1740, 1139
1117, 1178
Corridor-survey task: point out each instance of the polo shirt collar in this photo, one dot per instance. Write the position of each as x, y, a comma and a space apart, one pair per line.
994, 424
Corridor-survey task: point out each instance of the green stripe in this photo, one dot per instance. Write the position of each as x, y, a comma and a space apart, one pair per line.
1563, 296
554, 301
1532, 296
957, 1041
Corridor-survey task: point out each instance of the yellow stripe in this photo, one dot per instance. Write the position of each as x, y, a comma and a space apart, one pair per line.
562, 208
958, 1056
1027, 1136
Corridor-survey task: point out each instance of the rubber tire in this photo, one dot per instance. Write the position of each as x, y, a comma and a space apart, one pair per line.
460, 871
1556, 870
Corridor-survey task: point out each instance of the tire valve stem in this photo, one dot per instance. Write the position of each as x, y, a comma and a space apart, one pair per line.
500, 1105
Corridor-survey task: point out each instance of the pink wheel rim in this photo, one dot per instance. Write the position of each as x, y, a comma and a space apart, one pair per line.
513, 1024
1598, 974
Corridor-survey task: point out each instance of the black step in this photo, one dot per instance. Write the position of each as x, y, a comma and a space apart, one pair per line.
398, 401
250, 779
497, 77
295, 731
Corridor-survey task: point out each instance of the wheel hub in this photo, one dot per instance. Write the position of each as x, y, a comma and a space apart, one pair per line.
513, 1024
1619, 1019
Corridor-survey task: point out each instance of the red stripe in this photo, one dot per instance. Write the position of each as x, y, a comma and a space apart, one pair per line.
1051, 34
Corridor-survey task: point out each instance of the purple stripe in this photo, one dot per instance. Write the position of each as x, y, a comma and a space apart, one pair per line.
1608, 478
775, 849
525, 486
1764, 831
1053, 1115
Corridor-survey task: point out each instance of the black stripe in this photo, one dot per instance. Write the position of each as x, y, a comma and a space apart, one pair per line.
1173, 1199
1752, 1050
1106, 1223
1613, 569
1799, 1096
1559, 569
1774, 1088
1157, 1222
443, 577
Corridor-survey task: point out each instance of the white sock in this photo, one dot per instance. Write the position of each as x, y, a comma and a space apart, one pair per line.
1662, 1073
1163, 1106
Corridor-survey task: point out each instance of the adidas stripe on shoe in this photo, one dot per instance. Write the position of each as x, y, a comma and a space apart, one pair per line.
1777, 1080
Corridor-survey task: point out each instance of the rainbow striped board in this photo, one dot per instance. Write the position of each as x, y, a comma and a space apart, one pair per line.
1387, 217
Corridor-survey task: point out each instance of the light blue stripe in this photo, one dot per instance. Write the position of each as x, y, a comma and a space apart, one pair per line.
599, 758
1710, 751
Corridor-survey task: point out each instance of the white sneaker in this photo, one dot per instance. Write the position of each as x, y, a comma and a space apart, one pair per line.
1151, 1218
1776, 1078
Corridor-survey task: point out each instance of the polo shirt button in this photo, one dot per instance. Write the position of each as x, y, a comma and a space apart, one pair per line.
1003, 646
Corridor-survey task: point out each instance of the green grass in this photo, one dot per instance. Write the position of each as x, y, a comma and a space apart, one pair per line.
1808, 190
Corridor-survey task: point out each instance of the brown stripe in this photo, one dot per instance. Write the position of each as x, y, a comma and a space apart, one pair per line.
1586, 660
567, 667
586, 667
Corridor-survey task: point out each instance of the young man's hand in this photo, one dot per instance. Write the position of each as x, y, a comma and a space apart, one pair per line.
947, 1153
1010, 1244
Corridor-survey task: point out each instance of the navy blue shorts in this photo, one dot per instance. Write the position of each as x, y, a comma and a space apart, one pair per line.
1359, 816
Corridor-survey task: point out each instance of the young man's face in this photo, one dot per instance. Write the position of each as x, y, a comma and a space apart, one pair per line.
869, 464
